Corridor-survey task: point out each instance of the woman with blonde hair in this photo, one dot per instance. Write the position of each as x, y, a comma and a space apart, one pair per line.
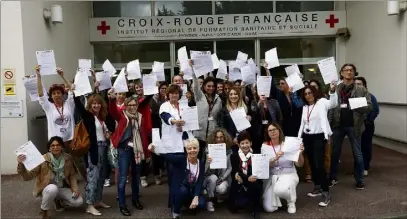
99, 126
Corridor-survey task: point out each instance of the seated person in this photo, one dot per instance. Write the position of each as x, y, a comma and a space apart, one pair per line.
56, 178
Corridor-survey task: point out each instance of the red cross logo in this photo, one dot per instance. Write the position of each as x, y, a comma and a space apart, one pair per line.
332, 21
103, 27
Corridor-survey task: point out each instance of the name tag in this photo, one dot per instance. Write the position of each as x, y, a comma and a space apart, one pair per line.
210, 118
265, 122
344, 105
62, 130
130, 144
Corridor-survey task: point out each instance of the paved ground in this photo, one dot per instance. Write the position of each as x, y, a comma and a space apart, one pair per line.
385, 196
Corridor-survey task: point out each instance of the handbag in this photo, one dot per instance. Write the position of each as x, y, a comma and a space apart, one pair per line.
113, 156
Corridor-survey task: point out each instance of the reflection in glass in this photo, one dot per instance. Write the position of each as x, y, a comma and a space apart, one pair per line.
173, 8
228, 49
135, 8
304, 6
243, 7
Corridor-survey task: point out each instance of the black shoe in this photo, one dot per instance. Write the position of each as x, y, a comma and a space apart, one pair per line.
137, 205
360, 186
333, 182
58, 206
256, 215
326, 198
125, 211
316, 192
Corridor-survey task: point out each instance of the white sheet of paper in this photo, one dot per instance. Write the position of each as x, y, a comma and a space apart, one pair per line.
183, 102
295, 82
272, 58
252, 64
264, 85
241, 59
82, 84
103, 78
182, 54
150, 84
328, 70
268, 150
176, 146
202, 62
86, 65
47, 61
30, 85
218, 154
222, 70
291, 148
234, 72
156, 141
190, 116
120, 84
248, 76
187, 69
357, 102
133, 70
158, 69
260, 166
33, 156
292, 69
239, 119
215, 61
108, 67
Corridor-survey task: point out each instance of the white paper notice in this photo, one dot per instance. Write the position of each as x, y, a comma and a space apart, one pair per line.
217, 152
182, 54
158, 69
222, 70
156, 141
293, 69
268, 150
264, 85
103, 78
241, 59
357, 102
120, 84
234, 72
33, 156
150, 84
260, 166
82, 84
239, 119
294, 81
253, 66
190, 116
108, 67
85, 65
202, 62
47, 61
328, 70
133, 70
291, 148
215, 61
187, 69
248, 76
272, 58
183, 102
30, 85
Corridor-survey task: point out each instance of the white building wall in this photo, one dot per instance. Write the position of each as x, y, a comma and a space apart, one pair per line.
378, 48
13, 130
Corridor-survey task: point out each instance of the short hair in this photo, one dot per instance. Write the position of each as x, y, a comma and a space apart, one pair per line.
244, 135
363, 81
55, 138
207, 80
192, 142
98, 99
53, 88
351, 65
316, 93
172, 89
164, 83
129, 99
173, 77
280, 130
228, 138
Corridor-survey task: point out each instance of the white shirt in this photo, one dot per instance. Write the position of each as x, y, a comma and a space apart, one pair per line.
171, 138
193, 170
62, 126
318, 116
100, 132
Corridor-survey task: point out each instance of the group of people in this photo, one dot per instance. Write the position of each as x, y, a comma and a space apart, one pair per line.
120, 136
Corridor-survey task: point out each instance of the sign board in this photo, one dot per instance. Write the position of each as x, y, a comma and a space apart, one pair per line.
8, 79
12, 109
216, 26
8, 75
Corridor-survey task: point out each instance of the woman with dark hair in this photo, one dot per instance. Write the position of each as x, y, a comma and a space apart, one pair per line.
315, 131
55, 178
100, 126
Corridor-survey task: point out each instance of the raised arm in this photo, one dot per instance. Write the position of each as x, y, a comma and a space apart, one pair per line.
113, 110
79, 106
198, 94
39, 81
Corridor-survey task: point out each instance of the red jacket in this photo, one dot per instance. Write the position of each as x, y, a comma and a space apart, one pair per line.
145, 110
122, 123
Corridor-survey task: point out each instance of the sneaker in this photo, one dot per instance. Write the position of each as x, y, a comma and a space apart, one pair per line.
58, 206
92, 210
326, 198
291, 208
107, 183
360, 186
144, 182
365, 173
158, 180
209, 207
333, 182
316, 192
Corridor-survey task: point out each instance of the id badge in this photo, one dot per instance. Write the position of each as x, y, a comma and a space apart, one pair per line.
278, 168
62, 130
210, 118
265, 122
344, 105
130, 144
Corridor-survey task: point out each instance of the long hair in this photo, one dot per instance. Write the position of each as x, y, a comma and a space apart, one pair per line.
103, 106
316, 93
240, 102
281, 136
228, 139
55, 138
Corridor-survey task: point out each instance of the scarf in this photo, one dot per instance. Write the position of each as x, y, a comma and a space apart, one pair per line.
136, 136
58, 167
244, 159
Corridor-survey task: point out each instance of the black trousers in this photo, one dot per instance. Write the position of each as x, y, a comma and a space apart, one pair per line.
315, 149
202, 146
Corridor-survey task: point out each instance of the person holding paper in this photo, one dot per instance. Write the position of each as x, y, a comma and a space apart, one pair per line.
100, 126
347, 122
283, 180
315, 131
217, 181
367, 135
245, 188
55, 178
127, 138
188, 175
178, 80
209, 105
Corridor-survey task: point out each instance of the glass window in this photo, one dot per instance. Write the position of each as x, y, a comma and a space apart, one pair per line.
243, 7
299, 47
126, 52
194, 45
228, 49
303, 6
121, 8
173, 8
106, 9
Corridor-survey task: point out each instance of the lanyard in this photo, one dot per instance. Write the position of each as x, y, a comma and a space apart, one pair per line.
210, 105
345, 96
192, 177
275, 152
309, 113
61, 113
265, 111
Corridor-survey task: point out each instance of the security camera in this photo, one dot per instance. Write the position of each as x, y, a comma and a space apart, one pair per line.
343, 32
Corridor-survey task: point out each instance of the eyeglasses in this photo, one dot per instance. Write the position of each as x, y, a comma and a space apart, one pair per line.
272, 130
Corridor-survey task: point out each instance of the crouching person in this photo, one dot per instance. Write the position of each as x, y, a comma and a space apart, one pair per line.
56, 178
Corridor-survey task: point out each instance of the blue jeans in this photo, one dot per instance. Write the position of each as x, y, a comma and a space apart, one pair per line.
355, 141
367, 137
127, 158
185, 197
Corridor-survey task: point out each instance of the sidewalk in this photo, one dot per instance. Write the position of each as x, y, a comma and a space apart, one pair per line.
385, 196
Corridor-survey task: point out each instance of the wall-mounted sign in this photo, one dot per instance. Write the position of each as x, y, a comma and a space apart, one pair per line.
216, 26
12, 109
8, 80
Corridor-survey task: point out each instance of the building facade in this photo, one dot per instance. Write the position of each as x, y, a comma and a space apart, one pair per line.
304, 32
